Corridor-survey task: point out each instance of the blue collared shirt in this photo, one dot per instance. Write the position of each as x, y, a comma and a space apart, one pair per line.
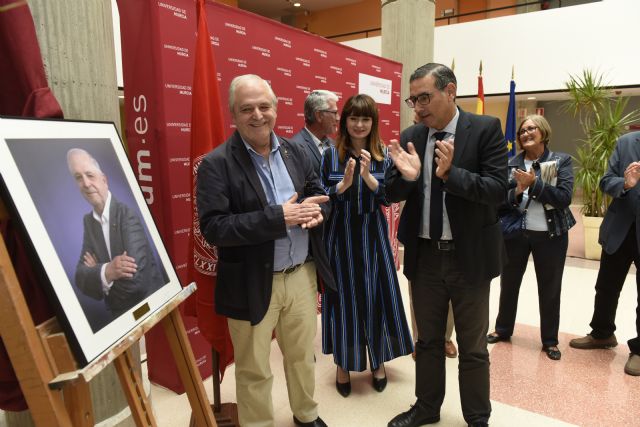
278, 187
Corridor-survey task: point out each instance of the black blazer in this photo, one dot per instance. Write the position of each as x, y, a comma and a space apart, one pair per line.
235, 217
623, 211
126, 233
305, 140
477, 185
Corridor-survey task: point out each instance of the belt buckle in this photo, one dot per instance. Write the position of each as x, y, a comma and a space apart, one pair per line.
443, 245
291, 269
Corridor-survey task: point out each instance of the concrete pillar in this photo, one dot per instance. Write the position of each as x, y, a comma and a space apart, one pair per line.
76, 40
407, 37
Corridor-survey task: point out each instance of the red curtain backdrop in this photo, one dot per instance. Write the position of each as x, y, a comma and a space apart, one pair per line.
23, 92
159, 49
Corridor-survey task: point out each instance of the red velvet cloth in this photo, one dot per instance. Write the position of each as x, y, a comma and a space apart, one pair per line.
23, 92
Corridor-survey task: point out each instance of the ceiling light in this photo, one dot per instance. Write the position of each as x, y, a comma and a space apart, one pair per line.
296, 4
531, 97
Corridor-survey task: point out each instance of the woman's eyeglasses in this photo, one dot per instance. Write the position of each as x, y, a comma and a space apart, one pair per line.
528, 129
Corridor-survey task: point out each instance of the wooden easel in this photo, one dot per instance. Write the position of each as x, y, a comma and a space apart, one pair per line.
47, 370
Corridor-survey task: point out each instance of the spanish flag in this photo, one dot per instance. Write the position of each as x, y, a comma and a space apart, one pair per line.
510, 130
480, 104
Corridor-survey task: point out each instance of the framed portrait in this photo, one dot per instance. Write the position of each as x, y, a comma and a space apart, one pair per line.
103, 263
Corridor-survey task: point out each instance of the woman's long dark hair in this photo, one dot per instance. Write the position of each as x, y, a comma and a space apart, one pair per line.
360, 105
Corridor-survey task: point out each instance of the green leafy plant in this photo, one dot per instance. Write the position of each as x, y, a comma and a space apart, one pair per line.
602, 118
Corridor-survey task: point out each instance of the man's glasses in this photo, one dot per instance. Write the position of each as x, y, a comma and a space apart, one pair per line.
528, 129
334, 112
422, 99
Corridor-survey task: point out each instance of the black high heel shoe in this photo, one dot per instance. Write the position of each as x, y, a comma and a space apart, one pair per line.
379, 384
343, 388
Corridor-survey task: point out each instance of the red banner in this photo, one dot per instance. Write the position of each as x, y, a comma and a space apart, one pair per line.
158, 46
207, 132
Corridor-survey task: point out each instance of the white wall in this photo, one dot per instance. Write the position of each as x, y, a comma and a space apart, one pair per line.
543, 47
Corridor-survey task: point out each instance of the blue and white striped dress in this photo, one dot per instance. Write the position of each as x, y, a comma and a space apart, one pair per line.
366, 317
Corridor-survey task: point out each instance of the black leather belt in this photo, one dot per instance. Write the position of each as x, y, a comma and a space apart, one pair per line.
290, 270
441, 245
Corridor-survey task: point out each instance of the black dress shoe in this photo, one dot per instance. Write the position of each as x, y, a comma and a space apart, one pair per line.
553, 352
493, 338
479, 425
414, 417
315, 423
343, 388
379, 384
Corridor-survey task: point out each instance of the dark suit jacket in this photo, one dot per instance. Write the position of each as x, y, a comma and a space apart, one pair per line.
623, 210
477, 184
235, 217
305, 140
126, 234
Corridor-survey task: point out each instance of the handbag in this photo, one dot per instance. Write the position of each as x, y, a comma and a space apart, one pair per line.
514, 222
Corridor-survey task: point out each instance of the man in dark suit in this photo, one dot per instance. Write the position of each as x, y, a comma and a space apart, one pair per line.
321, 120
619, 237
116, 263
260, 202
453, 242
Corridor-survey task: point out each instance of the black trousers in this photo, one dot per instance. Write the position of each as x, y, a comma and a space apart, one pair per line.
548, 260
438, 281
613, 271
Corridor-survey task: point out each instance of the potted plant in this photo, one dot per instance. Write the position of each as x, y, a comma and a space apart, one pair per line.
602, 117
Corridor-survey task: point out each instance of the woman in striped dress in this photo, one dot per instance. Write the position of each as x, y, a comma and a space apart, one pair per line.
365, 319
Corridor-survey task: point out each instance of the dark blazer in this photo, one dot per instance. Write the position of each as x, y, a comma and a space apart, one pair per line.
623, 211
235, 217
477, 184
126, 233
305, 140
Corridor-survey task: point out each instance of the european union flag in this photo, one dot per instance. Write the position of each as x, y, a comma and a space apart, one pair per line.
510, 130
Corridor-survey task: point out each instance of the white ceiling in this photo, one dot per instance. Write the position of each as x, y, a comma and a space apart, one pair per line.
277, 8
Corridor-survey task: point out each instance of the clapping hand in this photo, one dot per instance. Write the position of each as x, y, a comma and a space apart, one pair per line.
523, 179
631, 175
306, 214
444, 158
365, 162
317, 219
347, 179
407, 162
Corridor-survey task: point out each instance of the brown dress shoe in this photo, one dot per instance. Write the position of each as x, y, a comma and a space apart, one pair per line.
450, 349
590, 343
632, 366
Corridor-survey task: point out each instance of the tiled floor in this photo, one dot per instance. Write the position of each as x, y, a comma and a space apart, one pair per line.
585, 388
